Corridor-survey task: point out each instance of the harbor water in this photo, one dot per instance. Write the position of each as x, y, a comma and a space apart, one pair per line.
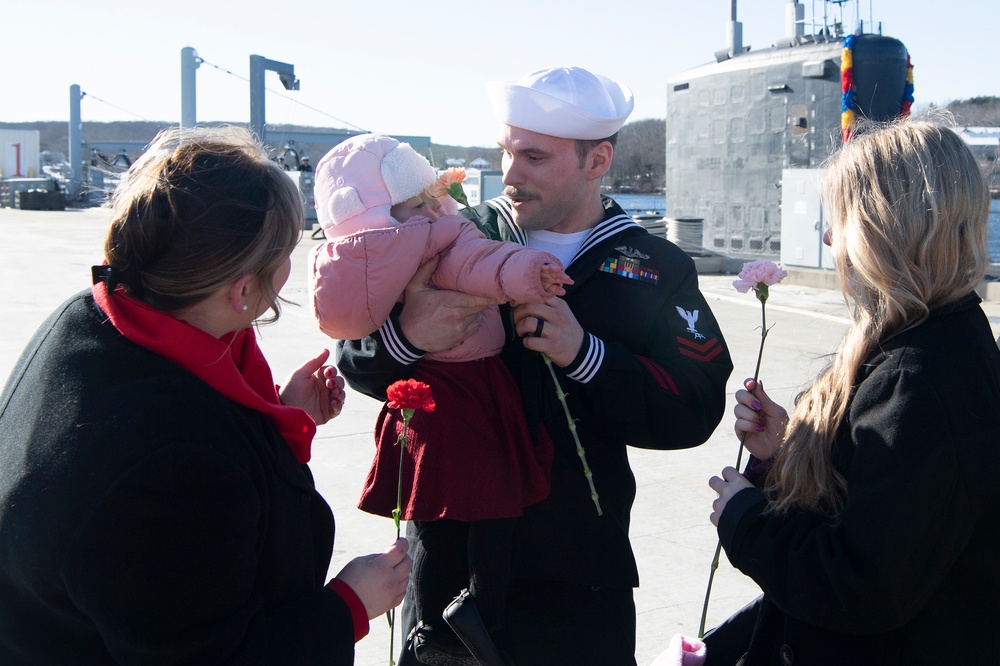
635, 204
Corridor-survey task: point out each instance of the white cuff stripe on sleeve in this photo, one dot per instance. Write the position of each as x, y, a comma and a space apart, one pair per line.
591, 362
395, 346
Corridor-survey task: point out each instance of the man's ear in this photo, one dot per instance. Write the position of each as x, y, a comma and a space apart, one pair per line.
599, 160
240, 293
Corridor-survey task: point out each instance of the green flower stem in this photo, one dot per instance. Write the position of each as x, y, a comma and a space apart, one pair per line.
715, 566
456, 192
762, 297
391, 616
404, 440
708, 591
576, 437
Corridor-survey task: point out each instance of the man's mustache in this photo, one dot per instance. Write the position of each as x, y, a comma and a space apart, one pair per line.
521, 195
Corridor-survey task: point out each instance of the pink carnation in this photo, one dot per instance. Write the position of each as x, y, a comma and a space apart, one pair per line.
756, 272
453, 175
440, 187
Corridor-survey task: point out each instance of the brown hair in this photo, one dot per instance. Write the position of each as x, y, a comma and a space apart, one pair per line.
200, 208
584, 146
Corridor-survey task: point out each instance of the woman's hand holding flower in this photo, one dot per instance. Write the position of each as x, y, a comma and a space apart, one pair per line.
380, 580
760, 421
316, 388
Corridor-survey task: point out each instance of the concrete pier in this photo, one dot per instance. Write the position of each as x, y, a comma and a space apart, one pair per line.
46, 256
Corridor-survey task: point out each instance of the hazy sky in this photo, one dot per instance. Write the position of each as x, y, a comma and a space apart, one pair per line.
419, 67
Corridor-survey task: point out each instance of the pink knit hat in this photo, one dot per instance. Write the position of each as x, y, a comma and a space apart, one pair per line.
360, 179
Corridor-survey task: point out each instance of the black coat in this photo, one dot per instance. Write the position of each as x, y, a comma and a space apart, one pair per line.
145, 518
908, 574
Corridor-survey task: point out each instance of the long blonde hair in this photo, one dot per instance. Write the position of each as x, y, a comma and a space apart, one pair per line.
909, 209
200, 208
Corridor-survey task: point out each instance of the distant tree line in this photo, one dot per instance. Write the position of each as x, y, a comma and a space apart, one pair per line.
975, 111
639, 164
640, 158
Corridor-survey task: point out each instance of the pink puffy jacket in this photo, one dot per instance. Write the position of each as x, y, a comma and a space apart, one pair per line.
357, 279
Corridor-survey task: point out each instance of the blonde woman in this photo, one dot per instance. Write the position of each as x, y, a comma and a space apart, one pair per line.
155, 502
874, 525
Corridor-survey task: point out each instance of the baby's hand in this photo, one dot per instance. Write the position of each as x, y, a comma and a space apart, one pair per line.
553, 278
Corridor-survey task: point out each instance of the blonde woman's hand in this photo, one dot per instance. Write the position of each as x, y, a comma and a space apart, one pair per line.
761, 420
316, 388
727, 484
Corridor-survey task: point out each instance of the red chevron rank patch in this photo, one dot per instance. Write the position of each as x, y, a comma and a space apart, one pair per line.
704, 351
661, 376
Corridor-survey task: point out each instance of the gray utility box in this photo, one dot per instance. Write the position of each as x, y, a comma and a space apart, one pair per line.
803, 220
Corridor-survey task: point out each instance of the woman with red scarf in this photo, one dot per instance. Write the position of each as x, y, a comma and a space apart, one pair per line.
155, 503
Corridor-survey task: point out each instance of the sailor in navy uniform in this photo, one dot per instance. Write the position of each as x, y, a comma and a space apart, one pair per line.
650, 371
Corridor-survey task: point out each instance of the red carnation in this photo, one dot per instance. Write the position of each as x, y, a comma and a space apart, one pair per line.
410, 394
406, 395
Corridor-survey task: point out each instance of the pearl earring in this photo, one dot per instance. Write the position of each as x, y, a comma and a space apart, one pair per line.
244, 308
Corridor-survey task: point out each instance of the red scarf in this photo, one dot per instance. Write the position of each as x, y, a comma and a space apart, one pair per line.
233, 365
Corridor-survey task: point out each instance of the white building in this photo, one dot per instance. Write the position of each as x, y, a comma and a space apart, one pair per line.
20, 153
481, 185
984, 142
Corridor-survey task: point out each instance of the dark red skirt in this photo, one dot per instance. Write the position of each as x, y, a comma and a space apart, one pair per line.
470, 459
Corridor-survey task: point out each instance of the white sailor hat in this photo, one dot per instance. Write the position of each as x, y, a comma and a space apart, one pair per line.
566, 102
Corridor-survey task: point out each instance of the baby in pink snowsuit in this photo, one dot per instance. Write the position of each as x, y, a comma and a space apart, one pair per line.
474, 459
371, 256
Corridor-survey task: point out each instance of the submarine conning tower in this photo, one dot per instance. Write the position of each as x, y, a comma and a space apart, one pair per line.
735, 124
